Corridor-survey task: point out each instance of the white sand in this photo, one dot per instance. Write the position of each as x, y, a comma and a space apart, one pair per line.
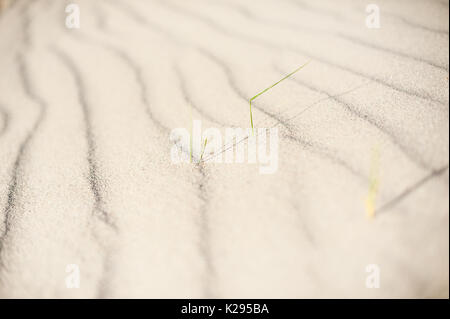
85, 170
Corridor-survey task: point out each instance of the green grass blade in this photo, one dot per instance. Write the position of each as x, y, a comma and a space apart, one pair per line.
267, 89
203, 150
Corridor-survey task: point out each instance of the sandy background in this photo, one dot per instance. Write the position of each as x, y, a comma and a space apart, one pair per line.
85, 170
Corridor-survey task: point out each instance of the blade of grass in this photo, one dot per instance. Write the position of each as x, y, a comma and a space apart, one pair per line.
203, 150
265, 90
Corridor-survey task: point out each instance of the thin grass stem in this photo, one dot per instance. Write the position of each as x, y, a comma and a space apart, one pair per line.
203, 149
265, 90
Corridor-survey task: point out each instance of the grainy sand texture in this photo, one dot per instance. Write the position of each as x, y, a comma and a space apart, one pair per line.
92, 206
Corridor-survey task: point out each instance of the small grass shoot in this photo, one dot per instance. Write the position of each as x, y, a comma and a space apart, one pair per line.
203, 149
190, 139
265, 90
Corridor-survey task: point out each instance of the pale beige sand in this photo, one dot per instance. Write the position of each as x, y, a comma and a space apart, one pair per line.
85, 170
